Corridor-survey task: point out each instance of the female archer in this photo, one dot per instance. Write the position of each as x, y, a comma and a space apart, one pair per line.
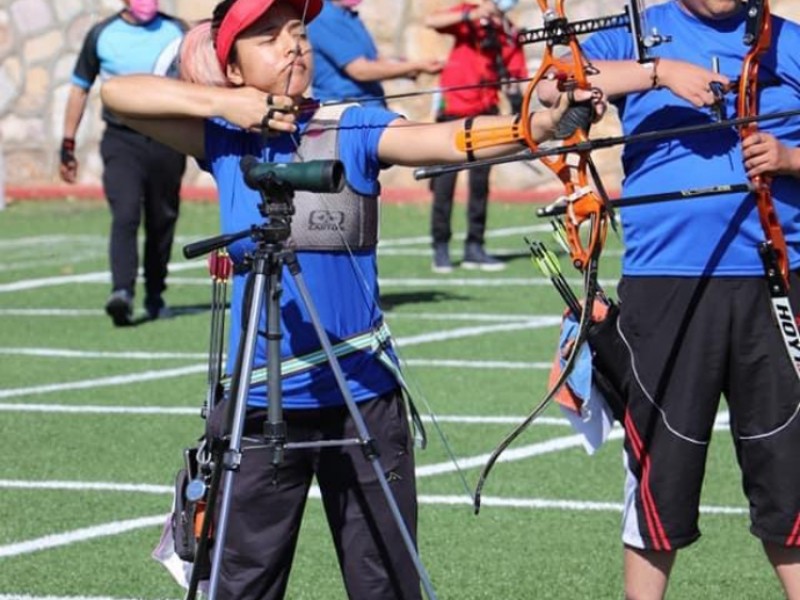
263, 52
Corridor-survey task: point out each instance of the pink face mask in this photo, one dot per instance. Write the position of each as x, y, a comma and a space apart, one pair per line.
143, 11
350, 3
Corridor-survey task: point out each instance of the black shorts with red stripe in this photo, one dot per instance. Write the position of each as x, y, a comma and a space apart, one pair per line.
692, 341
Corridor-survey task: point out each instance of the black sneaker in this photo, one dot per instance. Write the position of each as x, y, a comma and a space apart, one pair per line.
441, 259
119, 307
156, 309
475, 257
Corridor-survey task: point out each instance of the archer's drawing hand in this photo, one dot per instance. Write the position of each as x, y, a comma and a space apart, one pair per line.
690, 82
764, 154
258, 111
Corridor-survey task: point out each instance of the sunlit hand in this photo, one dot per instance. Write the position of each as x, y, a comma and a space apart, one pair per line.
690, 82
432, 67
764, 154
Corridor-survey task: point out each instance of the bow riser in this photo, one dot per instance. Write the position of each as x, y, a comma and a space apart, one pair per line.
758, 34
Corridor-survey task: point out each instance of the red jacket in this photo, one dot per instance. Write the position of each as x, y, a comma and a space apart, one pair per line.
474, 60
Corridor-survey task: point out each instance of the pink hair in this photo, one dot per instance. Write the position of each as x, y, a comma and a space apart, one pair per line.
198, 59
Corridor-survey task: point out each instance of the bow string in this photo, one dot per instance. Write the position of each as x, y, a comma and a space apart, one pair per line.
586, 201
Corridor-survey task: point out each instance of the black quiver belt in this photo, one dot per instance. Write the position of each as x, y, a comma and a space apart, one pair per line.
611, 364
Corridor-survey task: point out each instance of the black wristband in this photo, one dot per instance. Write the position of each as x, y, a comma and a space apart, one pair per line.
67, 150
468, 139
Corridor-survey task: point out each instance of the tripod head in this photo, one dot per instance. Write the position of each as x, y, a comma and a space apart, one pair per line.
277, 183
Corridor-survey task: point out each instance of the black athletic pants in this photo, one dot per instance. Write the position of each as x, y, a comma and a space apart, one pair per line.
140, 175
268, 504
443, 188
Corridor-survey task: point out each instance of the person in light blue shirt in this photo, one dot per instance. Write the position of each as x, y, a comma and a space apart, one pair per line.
696, 310
140, 176
347, 63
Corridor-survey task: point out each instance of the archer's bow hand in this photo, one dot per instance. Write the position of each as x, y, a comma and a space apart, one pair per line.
572, 110
764, 155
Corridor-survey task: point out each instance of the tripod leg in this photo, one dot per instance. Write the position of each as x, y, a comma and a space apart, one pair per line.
239, 393
370, 450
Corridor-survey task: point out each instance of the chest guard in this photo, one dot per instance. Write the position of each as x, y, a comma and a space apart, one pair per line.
331, 222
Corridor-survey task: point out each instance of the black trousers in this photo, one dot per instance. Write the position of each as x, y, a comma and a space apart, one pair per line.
140, 176
268, 504
443, 188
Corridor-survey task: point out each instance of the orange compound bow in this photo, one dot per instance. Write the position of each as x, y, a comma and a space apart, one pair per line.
586, 199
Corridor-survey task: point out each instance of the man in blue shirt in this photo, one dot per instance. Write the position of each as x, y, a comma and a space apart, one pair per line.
346, 61
139, 174
695, 306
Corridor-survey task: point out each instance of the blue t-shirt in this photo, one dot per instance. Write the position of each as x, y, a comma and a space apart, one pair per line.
343, 288
713, 235
116, 47
338, 37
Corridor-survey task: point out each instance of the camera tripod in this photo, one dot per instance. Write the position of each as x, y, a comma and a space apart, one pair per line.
267, 262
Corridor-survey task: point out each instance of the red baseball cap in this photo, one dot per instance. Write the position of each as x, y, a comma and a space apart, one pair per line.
244, 13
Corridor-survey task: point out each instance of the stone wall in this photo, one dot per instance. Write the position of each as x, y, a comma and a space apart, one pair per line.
40, 39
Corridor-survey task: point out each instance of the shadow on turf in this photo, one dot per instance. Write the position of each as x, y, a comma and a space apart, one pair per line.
391, 301
175, 313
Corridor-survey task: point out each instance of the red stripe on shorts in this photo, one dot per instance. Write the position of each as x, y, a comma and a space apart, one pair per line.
654, 525
794, 538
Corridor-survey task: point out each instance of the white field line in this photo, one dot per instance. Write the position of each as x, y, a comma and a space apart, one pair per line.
79, 535
103, 276
492, 233
95, 277
498, 251
537, 449
66, 353
390, 315
51, 312
104, 381
477, 364
49, 241
32, 284
29, 597
471, 317
200, 368
463, 332
435, 281
89, 409
74, 258
395, 282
